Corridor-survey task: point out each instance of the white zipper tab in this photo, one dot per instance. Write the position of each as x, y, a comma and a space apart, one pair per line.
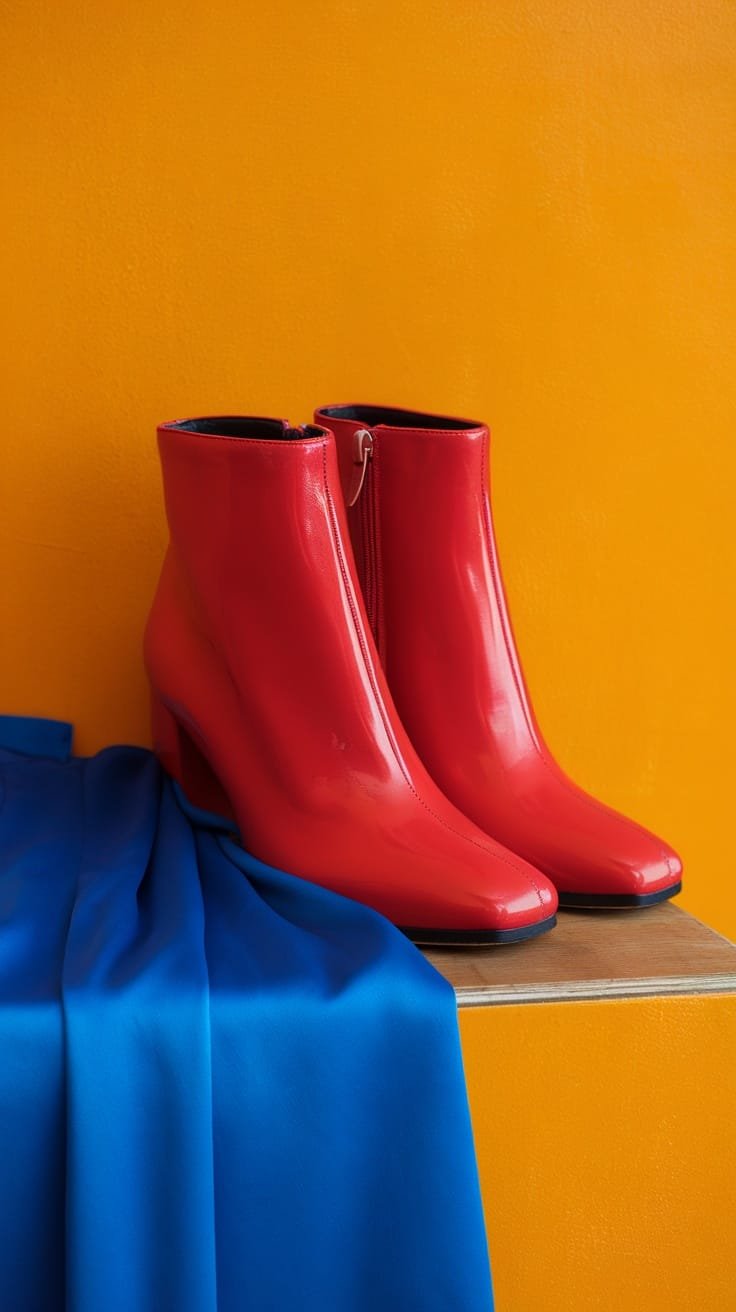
362, 453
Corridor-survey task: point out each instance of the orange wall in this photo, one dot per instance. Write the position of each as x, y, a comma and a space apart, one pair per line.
522, 210
606, 1152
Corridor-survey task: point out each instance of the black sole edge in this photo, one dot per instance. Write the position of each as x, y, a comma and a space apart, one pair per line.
476, 938
616, 901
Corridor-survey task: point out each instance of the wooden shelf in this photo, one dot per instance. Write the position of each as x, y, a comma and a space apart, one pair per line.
659, 951
604, 1125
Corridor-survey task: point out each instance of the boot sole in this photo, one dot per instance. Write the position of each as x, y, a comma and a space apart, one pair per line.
476, 938
616, 901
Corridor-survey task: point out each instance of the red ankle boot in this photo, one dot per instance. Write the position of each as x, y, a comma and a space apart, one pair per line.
423, 537
268, 696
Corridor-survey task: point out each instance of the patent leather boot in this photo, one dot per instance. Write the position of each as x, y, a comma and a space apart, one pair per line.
269, 700
422, 532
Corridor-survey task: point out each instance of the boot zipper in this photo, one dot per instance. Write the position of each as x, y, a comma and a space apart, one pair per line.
362, 453
365, 492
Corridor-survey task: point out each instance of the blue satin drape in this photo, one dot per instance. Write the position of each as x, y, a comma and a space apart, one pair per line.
222, 1088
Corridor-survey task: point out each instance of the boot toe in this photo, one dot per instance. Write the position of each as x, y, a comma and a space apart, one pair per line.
526, 898
596, 856
506, 909
658, 873
651, 873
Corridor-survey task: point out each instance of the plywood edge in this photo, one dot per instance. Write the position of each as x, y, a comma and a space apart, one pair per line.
600, 990
660, 952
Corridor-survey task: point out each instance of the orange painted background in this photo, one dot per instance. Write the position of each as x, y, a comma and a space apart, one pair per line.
606, 1152
520, 210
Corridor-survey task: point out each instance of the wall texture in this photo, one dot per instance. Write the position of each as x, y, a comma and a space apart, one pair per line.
606, 1152
521, 210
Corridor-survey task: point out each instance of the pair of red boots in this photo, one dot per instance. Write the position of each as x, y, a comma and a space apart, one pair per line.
333, 666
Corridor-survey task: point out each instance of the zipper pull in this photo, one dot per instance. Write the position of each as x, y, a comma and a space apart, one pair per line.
362, 453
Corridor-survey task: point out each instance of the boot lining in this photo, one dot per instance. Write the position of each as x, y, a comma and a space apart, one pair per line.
375, 415
245, 426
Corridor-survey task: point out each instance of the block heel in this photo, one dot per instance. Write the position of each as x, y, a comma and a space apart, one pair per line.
183, 759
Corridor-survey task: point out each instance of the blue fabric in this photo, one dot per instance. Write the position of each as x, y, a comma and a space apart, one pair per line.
36, 737
222, 1088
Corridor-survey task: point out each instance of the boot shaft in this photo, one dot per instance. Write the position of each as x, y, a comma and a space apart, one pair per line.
424, 541
230, 482
259, 603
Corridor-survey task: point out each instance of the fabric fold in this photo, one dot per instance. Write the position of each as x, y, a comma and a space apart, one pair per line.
222, 1088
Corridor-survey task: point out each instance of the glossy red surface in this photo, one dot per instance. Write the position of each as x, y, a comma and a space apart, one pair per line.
426, 553
265, 678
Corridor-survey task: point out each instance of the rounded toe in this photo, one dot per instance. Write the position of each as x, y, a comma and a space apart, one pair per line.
525, 897
660, 871
598, 857
650, 874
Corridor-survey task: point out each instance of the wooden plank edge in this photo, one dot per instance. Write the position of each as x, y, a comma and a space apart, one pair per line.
596, 990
